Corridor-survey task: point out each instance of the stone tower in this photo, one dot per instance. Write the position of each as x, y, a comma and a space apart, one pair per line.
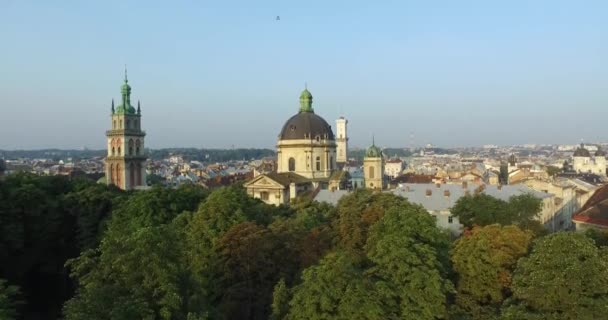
341, 141
126, 159
373, 168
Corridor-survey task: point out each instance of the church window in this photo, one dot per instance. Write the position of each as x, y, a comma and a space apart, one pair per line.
318, 163
114, 124
371, 172
112, 175
113, 151
331, 163
118, 150
264, 195
137, 146
128, 124
120, 124
138, 175
292, 164
318, 138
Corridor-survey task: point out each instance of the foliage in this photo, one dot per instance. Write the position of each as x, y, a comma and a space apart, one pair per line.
358, 211
484, 259
482, 209
410, 257
552, 171
565, 277
8, 302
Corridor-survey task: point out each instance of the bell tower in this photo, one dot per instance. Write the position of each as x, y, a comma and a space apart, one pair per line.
126, 159
341, 141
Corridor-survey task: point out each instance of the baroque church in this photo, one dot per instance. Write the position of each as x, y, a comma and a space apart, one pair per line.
584, 163
307, 158
125, 163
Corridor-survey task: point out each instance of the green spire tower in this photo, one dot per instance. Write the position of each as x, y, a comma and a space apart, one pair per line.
306, 101
126, 159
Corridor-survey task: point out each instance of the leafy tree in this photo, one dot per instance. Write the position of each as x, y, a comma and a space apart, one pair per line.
484, 259
482, 209
565, 277
552, 171
410, 262
357, 212
8, 302
280, 300
600, 237
336, 288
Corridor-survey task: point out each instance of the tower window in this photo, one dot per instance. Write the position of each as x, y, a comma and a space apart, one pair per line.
130, 146
318, 163
137, 146
292, 164
372, 172
118, 150
120, 124
128, 124
331, 163
114, 124
113, 151
318, 138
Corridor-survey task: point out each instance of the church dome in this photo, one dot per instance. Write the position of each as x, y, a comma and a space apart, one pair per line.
306, 124
600, 152
373, 152
582, 152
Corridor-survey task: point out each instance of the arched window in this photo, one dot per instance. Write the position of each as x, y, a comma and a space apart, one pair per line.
120, 124
114, 124
130, 147
137, 146
113, 151
318, 163
132, 175
292, 164
119, 151
371, 172
135, 124
331, 163
112, 174
128, 124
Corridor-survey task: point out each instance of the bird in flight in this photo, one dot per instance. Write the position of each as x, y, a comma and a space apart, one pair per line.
278, 18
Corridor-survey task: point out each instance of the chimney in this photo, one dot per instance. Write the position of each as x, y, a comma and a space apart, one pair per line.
429, 192
446, 193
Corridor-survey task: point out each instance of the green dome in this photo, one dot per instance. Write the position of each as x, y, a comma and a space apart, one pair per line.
306, 95
373, 152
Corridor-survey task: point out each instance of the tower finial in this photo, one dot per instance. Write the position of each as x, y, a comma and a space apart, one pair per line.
138, 107
373, 140
126, 79
112, 105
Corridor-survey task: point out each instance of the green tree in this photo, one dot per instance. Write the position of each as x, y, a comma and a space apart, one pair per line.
336, 288
565, 277
484, 260
8, 301
482, 210
280, 300
357, 212
410, 262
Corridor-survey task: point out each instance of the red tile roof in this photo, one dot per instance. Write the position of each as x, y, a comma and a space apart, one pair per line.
595, 210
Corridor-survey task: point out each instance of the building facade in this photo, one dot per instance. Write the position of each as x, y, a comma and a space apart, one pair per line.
393, 167
125, 163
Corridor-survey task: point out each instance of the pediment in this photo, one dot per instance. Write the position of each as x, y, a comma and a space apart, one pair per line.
264, 181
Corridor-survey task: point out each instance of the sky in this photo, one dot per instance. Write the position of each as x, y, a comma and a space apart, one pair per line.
221, 74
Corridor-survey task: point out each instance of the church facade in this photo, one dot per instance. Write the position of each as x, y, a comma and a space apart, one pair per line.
584, 163
306, 159
125, 163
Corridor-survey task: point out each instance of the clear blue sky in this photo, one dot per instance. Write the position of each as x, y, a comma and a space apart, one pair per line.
223, 73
